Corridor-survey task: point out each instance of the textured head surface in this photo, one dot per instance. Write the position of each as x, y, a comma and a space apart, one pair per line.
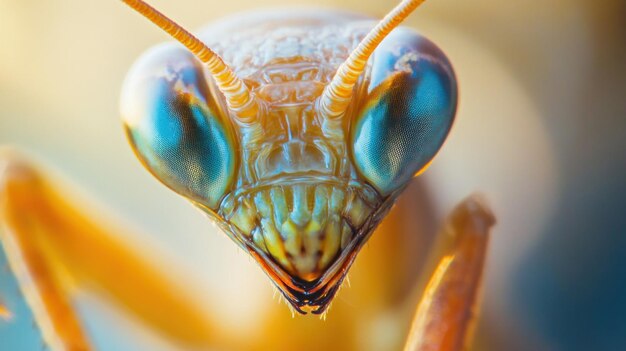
299, 192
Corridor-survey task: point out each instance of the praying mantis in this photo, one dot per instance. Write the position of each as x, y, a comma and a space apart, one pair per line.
294, 134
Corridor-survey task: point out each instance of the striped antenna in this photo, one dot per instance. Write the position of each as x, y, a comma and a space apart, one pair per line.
337, 95
239, 98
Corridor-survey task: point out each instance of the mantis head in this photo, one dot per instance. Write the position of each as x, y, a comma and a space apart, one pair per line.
296, 149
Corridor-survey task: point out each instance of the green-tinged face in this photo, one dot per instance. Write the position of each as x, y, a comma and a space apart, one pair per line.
299, 192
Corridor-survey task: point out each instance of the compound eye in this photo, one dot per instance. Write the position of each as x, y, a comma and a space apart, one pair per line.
407, 113
175, 126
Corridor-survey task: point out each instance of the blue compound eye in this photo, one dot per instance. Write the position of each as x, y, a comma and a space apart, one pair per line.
407, 113
175, 127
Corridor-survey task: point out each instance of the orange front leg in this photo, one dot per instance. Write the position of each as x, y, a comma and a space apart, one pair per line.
54, 249
447, 310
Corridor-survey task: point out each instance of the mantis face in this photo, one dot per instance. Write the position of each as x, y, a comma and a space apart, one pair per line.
295, 134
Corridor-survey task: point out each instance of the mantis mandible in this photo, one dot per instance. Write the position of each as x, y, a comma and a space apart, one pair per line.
295, 134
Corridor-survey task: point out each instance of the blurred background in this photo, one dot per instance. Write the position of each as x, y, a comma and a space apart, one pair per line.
541, 131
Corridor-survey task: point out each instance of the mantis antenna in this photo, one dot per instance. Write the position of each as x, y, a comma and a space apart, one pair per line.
239, 98
336, 96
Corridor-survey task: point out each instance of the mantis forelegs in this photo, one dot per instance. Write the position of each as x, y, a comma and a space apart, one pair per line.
54, 248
